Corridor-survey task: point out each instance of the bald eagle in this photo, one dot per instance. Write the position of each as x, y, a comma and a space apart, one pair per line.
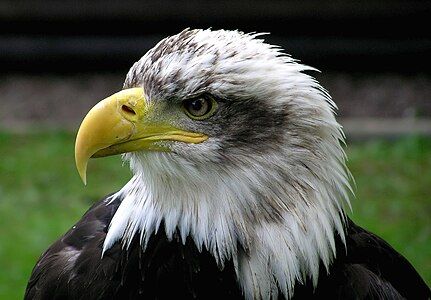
239, 187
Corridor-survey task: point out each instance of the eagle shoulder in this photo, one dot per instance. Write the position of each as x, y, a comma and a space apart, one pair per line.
367, 267
74, 260
386, 270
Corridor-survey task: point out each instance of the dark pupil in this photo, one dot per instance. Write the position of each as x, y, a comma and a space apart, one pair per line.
197, 105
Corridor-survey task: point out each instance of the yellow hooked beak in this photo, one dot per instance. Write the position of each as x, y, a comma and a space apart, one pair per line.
123, 123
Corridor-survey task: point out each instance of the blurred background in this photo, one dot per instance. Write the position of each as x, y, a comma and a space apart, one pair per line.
58, 58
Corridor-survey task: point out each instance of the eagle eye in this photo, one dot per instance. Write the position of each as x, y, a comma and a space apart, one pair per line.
200, 108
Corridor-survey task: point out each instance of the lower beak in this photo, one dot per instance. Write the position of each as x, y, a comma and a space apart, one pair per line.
121, 123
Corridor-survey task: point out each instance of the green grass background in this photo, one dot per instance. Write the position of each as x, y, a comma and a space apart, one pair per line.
41, 196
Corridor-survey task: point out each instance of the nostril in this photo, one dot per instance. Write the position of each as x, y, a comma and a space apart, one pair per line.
128, 110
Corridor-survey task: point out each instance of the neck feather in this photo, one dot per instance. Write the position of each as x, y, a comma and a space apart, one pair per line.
276, 219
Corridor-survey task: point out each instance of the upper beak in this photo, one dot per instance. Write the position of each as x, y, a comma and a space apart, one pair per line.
121, 123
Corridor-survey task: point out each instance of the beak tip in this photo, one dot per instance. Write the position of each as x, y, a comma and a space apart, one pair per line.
83, 177
82, 171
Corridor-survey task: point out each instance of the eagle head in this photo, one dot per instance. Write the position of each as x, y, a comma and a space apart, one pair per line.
232, 144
